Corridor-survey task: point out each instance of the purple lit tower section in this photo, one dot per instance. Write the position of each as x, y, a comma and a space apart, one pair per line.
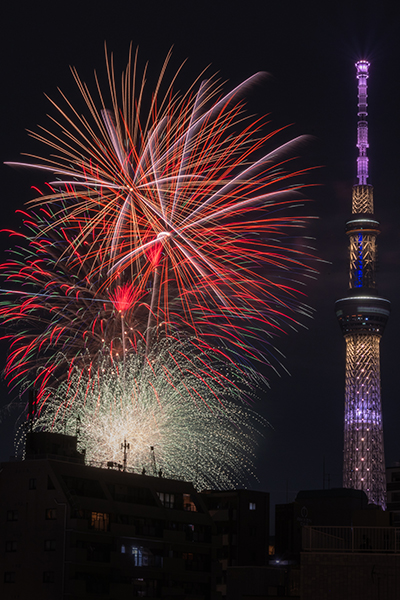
362, 315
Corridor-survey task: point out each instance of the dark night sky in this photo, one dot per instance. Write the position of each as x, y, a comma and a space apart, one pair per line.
310, 49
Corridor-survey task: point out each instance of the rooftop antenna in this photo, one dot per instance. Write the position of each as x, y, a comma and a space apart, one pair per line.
362, 67
125, 447
153, 456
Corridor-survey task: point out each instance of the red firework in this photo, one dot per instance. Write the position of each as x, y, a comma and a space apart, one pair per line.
185, 222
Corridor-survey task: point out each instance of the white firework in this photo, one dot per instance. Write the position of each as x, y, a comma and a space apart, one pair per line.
184, 413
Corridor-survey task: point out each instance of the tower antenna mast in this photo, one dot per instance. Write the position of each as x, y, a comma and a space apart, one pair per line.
362, 315
362, 126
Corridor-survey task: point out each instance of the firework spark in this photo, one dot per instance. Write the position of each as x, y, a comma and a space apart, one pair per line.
185, 207
209, 440
57, 317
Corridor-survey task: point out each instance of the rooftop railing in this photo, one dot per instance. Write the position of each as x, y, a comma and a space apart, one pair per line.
351, 539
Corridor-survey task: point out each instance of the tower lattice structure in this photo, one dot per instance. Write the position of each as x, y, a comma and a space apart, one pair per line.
362, 315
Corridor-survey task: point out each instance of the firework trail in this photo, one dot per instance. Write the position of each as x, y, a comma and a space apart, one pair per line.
163, 260
183, 205
57, 317
209, 440
60, 319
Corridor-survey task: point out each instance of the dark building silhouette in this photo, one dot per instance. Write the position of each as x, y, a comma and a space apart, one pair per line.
241, 519
350, 563
74, 531
334, 507
344, 547
393, 492
264, 583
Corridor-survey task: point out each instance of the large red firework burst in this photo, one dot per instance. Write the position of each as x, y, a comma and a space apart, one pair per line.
180, 219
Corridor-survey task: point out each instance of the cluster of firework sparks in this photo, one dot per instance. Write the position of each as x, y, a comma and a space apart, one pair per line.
153, 274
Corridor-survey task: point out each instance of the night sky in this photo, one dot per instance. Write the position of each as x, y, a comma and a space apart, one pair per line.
310, 52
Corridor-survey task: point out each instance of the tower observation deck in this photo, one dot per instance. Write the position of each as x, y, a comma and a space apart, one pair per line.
362, 315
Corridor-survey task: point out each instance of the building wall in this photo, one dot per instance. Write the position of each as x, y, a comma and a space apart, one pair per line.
72, 531
317, 507
345, 576
241, 519
263, 583
393, 492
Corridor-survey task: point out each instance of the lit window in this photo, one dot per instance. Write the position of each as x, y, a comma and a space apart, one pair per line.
140, 558
252, 506
100, 521
188, 503
122, 549
51, 513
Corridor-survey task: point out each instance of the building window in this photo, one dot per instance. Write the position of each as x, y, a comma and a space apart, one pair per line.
167, 500
187, 556
11, 546
188, 503
50, 544
32, 484
100, 521
12, 515
137, 556
48, 576
252, 506
122, 549
140, 556
9, 577
51, 513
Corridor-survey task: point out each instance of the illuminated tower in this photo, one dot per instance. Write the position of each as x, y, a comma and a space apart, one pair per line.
362, 315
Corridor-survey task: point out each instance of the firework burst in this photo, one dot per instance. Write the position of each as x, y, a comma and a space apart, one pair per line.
57, 316
181, 204
179, 415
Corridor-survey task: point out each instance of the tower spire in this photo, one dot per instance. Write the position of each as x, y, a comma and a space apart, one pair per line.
362, 67
362, 315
